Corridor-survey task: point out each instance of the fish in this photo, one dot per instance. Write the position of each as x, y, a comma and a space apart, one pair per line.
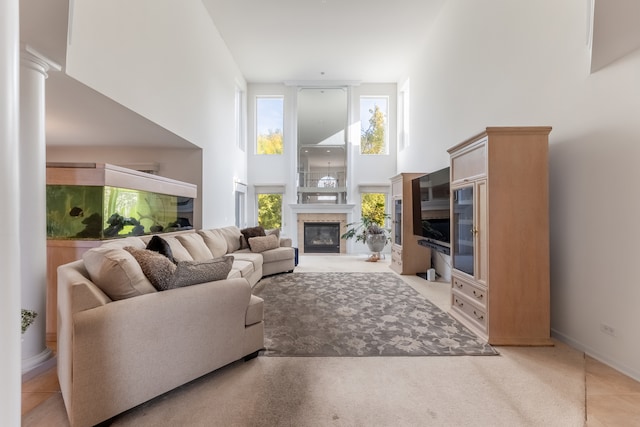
76, 211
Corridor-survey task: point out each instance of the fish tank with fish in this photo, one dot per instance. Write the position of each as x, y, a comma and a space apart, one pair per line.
109, 212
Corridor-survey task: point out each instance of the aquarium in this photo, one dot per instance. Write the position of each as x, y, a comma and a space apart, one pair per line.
107, 212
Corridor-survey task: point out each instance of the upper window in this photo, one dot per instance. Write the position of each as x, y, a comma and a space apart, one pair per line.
239, 118
269, 125
373, 125
403, 117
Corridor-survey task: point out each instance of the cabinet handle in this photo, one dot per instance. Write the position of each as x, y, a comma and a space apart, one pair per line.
459, 285
458, 303
479, 317
474, 230
478, 295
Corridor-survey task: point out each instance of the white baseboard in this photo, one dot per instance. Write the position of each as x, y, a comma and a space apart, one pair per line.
632, 373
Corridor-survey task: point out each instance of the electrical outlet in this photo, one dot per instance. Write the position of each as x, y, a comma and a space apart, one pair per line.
607, 329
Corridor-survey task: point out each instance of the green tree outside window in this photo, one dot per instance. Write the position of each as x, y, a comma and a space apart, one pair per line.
373, 207
270, 210
373, 134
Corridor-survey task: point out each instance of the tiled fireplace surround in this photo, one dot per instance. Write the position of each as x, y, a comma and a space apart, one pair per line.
321, 217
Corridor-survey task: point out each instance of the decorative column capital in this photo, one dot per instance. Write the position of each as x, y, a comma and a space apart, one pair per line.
31, 58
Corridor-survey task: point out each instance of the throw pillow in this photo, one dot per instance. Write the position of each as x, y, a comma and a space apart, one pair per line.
250, 232
158, 244
156, 267
275, 231
116, 272
263, 243
194, 272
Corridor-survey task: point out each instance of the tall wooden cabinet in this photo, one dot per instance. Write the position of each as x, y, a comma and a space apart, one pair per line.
407, 256
500, 235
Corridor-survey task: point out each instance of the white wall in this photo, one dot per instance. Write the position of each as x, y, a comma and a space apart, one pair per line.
168, 63
505, 62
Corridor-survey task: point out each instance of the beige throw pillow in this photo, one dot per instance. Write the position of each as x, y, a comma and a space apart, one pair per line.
263, 243
116, 272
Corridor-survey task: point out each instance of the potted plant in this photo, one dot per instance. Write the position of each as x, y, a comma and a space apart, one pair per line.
368, 230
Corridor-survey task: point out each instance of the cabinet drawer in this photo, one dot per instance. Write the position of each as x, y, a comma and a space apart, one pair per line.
474, 313
476, 293
470, 163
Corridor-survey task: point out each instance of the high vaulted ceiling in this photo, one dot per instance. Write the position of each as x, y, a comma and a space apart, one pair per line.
319, 40
272, 41
275, 41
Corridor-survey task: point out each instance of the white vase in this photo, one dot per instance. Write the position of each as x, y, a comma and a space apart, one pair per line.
376, 242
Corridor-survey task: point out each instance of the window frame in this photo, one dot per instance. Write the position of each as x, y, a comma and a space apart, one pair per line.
258, 98
387, 98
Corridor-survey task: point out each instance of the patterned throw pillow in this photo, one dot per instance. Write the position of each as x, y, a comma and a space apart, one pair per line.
158, 244
193, 272
155, 266
263, 243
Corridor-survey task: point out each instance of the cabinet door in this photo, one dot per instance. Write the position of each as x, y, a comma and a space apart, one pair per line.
481, 231
463, 229
397, 221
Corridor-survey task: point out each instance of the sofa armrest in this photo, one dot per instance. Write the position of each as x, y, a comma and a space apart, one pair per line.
127, 346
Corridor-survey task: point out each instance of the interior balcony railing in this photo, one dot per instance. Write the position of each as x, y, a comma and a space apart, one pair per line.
322, 187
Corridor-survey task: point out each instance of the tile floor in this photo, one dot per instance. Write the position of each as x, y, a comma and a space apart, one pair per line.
612, 399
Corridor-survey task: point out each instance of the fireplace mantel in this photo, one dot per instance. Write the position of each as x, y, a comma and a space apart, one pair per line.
320, 213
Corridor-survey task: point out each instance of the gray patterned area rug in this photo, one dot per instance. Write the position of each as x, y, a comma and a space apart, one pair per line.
358, 314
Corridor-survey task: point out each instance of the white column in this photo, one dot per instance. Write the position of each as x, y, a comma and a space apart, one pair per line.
33, 204
9, 212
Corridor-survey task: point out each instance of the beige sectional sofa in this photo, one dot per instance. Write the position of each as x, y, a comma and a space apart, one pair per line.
116, 352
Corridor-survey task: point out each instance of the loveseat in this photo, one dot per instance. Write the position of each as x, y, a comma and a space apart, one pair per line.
121, 341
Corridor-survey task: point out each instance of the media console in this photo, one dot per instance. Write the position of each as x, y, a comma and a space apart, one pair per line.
435, 246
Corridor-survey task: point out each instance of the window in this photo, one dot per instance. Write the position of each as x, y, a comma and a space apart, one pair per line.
403, 117
269, 125
270, 210
241, 205
373, 125
374, 206
239, 118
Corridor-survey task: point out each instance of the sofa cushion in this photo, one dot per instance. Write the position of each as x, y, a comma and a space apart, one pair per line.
134, 241
195, 245
193, 272
278, 254
161, 246
234, 274
116, 272
263, 243
245, 267
247, 255
180, 253
232, 235
255, 311
156, 267
248, 233
215, 241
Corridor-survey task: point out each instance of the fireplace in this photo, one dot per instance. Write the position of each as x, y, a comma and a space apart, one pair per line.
322, 237
320, 219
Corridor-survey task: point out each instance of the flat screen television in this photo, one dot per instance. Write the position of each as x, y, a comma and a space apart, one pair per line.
431, 198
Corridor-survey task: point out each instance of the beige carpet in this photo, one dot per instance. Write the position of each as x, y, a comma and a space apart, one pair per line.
542, 386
